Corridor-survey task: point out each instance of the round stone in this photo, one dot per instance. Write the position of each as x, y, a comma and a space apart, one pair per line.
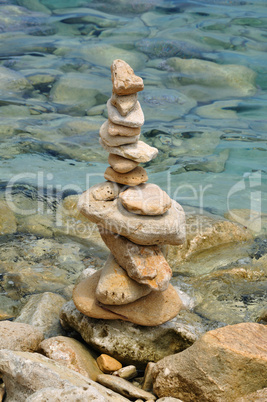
114, 141
121, 164
134, 177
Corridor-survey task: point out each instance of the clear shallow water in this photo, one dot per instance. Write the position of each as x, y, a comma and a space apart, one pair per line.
204, 67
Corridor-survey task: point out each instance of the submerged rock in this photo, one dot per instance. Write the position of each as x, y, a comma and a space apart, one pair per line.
8, 222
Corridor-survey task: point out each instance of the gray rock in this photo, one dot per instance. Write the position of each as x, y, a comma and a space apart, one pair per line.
42, 311
124, 387
125, 103
67, 394
13, 81
128, 342
25, 373
19, 336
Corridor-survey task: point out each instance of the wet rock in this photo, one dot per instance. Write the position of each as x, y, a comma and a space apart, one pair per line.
127, 342
124, 104
133, 178
108, 364
18, 336
120, 164
71, 353
124, 387
114, 141
8, 222
166, 48
215, 367
42, 312
13, 81
25, 373
219, 110
125, 82
135, 118
211, 163
255, 221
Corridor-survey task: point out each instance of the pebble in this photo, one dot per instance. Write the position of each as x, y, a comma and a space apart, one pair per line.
148, 377
135, 118
136, 176
116, 287
124, 80
138, 152
114, 141
108, 364
124, 104
106, 191
127, 372
146, 199
121, 164
117, 129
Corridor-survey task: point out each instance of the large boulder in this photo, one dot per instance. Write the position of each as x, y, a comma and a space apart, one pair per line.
18, 336
223, 364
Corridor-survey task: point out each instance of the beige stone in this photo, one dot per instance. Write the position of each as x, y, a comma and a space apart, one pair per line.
127, 372
257, 396
19, 336
162, 306
144, 264
116, 287
108, 364
133, 178
138, 152
145, 230
106, 191
117, 129
124, 104
146, 199
124, 80
135, 118
120, 164
8, 222
114, 141
147, 384
71, 353
222, 365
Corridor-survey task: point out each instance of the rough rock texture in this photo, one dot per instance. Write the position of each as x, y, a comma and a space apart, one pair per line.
68, 394
224, 364
162, 306
116, 287
138, 152
144, 264
42, 311
108, 364
106, 191
135, 118
136, 176
120, 164
124, 80
25, 373
8, 222
124, 387
115, 141
128, 342
19, 336
146, 199
71, 353
127, 372
116, 129
145, 230
257, 396
125, 103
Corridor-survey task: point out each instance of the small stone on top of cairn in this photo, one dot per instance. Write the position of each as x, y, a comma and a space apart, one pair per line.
133, 218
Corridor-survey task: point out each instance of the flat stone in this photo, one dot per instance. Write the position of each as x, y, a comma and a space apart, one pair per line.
148, 377
138, 152
224, 364
144, 264
106, 191
67, 394
108, 364
135, 118
162, 306
116, 287
124, 104
124, 80
127, 372
136, 176
19, 336
114, 141
71, 353
146, 199
124, 387
117, 129
145, 230
121, 164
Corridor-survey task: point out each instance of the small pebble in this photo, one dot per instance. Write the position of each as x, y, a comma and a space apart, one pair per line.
108, 364
127, 372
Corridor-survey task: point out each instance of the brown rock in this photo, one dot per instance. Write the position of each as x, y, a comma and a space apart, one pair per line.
116, 287
222, 365
138, 152
134, 177
144, 264
146, 199
116, 129
108, 364
114, 141
71, 353
19, 336
106, 191
124, 104
8, 222
135, 118
257, 396
120, 164
125, 82
162, 306
148, 377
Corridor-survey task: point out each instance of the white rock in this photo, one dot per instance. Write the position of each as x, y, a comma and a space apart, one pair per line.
139, 151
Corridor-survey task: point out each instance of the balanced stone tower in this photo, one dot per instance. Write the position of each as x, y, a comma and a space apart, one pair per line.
134, 218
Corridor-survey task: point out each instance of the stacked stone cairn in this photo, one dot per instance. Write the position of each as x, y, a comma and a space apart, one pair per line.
134, 218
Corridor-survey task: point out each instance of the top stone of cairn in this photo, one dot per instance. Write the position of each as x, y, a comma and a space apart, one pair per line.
125, 82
